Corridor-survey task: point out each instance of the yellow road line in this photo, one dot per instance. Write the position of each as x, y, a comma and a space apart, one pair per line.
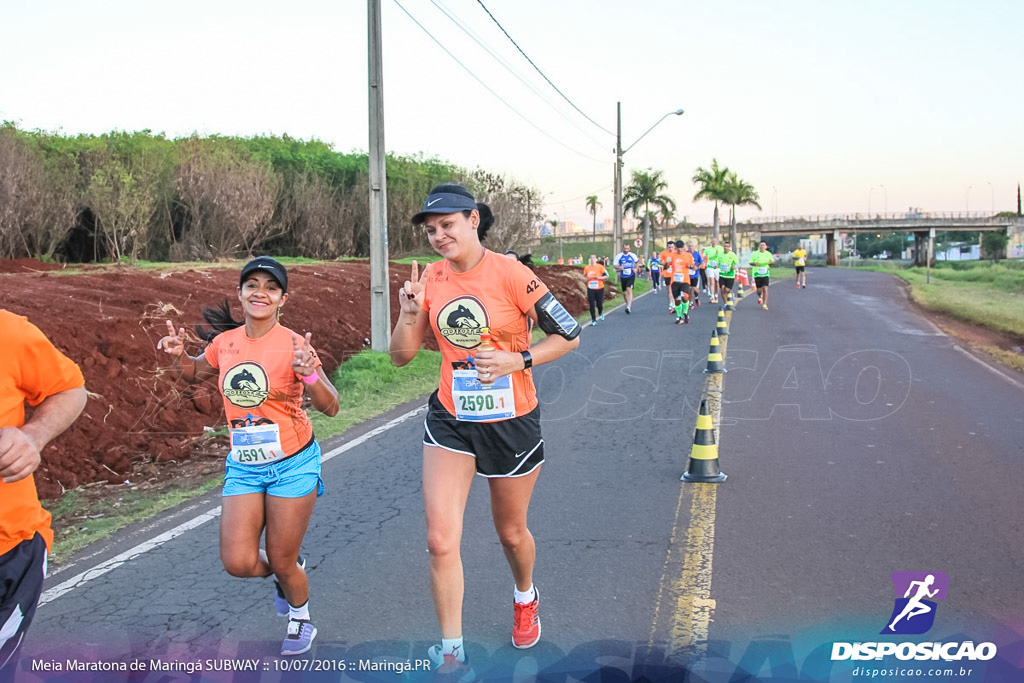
692, 605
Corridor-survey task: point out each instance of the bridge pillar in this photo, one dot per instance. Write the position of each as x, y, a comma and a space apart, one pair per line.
832, 242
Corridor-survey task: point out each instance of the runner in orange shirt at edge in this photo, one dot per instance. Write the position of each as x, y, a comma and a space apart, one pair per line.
484, 418
32, 371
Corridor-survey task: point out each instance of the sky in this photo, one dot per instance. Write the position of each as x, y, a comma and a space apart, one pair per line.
838, 107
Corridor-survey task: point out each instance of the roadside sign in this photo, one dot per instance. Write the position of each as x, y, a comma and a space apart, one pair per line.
638, 242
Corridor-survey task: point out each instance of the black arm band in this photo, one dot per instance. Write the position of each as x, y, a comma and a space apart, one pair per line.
527, 359
554, 319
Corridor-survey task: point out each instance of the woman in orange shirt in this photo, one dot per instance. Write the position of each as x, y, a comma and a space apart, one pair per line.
595, 275
484, 418
272, 477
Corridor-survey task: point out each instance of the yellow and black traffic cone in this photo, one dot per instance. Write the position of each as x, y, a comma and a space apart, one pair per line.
730, 304
721, 328
716, 362
703, 465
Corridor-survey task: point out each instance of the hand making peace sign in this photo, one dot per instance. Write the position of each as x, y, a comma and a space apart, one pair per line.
174, 342
410, 297
303, 358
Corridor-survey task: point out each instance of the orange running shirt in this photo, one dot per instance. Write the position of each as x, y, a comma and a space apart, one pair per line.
497, 293
682, 262
666, 264
258, 384
31, 369
593, 274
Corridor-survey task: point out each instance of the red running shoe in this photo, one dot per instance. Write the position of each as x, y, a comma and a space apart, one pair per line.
526, 623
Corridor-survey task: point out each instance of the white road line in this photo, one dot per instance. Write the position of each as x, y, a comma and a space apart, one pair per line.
988, 367
102, 568
115, 562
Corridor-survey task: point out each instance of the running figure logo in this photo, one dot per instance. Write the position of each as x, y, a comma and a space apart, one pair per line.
914, 608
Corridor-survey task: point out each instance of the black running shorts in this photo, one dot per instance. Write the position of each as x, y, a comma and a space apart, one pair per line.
627, 282
22, 569
799, 269
760, 282
506, 448
726, 282
678, 288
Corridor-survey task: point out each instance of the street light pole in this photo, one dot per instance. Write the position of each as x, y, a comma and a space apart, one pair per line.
617, 224
617, 201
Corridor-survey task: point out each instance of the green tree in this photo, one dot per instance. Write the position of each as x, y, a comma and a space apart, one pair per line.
993, 244
646, 188
712, 187
736, 192
592, 206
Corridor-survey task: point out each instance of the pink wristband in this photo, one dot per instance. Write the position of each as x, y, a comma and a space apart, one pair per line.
311, 379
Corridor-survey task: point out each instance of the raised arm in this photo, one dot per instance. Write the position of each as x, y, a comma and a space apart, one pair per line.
412, 321
190, 368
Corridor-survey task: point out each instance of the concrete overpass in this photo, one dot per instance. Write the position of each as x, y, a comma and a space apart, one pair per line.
922, 225
833, 227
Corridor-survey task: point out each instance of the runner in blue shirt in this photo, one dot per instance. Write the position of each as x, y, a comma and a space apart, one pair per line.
625, 263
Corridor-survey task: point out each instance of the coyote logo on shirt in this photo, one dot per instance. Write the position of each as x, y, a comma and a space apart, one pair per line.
459, 321
246, 385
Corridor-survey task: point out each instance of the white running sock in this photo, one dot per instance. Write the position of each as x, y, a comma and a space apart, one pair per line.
301, 612
525, 597
453, 646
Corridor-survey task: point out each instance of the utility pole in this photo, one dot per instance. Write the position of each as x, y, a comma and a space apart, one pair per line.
380, 293
617, 223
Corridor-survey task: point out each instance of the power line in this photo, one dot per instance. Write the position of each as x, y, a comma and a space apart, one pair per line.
465, 29
490, 90
480, 2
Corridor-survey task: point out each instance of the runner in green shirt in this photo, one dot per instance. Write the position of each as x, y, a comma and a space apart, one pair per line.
761, 261
727, 263
713, 255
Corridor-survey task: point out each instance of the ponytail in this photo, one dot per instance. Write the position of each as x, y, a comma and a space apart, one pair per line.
219, 319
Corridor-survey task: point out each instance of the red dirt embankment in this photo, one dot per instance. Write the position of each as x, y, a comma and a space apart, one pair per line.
109, 319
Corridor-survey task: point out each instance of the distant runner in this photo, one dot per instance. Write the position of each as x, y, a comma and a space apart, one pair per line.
800, 263
596, 275
625, 263
761, 262
682, 264
665, 258
654, 268
713, 256
727, 263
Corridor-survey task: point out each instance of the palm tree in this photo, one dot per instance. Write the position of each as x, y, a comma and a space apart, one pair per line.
644, 190
712, 184
735, 193
592, 206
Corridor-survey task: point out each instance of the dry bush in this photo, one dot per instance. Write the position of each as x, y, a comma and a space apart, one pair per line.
37, 207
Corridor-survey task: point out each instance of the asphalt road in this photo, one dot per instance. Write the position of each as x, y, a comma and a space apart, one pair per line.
858, 441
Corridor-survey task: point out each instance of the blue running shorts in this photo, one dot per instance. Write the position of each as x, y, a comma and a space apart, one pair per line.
293, 477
